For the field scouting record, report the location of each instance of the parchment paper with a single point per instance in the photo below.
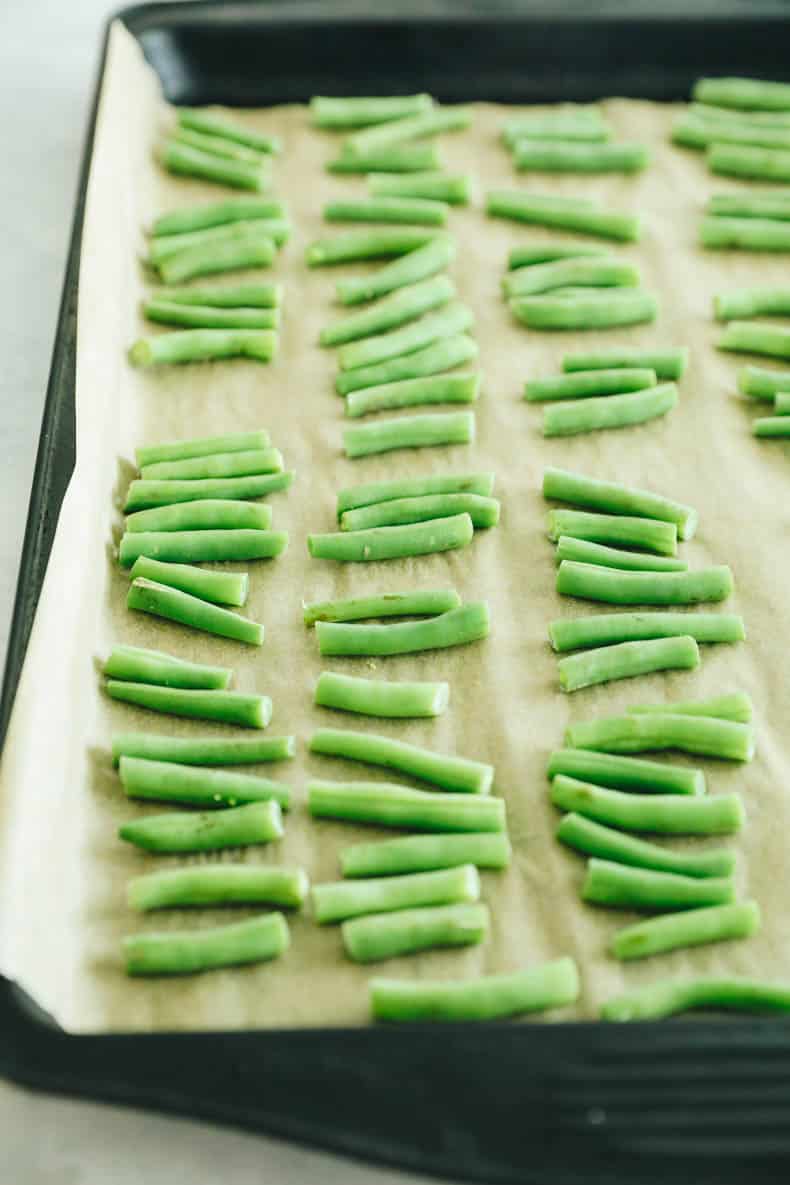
(63, 870)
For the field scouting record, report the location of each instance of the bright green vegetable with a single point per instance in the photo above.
(203, 317)
(414, 487)
(152, 666)
(167, 781)
(668, 814)
(171, 603)
(467, 623)
(581, 308)
(352, 898)
(394, 310)
(668, 363)
(766, 203)
(637, 733)
(418, 264)
(204, 446)
(736, 706)
(414, 127)
(646, 534)
(613, 498)
(699, 133)
(201, 546)
(588, 384)
(188, 161)
(751, 302)
(244, 463)
(399, 806)
(206, 831)
(423, 853)
(212, 125)
(582, 551)
(216, 146)
(357, 112)
(750, 234)
(776, 426)
(218, 884)
(231, 707)
(643, 588)
(254, 249)
(235, 296)
(438, 388)
(182, 952)
(597, 272)
(407, 931)
(186, 219)
(570, 156)
(377, 697)
(739, 160)
(356, 245)
(450, 772)
(562, 215)
(771, 340)
(390, 543)
(624, 661)
(595, 839)
(221, 588)
(166, 246)
(417, 211)
(756, 118)
(612, 411)
(211, 514)
(746, 94)
(418, 431)
(626, 773)
(693, 927)
(439, 356)
(144, 494)
(453, 319)
(759, 383)
(201, 750)
(484, 512)
(529, 254)
(571, 122)
(608, 883)
(455, 189)
(399, 158)
(604, 628)
(204, 345)
(423, 602)
(668, 997)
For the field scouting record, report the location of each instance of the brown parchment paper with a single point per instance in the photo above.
(63, 872)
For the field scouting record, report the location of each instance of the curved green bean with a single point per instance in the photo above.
(187, 161)
(613, 498)
(484, 512)
(740, 160)
(561, 215)
(341, 900)
(212, 125)
(204, 345)
(378, 697)
(206, 831)
(398, 158)
(571, 122)
(595, 839)
(643, 588)
(231, 707)
(202, 750)
(185, 219)
(608, 883)
(221, 588)
(528, 254)
(417, 211)
(203, 317)
(394, 310)
(454, 189)
(776, 426)
(167, 781)
(624, 661)
(736, 706)
(597, 272)
(205, 546)
(244, 463)
(390, 543)
(144, 494)
(255, 249)
(418, 264)
(588, 384)
(422, 602)
(749, 234)
(710, 111)
(746, 94)
(453, 319)
(646, 534)
(759, 383)
(166, 246)
(570, 156)
(751, 302)
(467, 623)
(585, 309)
(407, 931)
(611, 411)
(390, 805)
(419, 431)
(450, 772)
(414, 127)
(218, 884)
(625, 773)
(668, 364)
(666, 814)
(437, 388)
(744, 336)
(171, 603)
(766, 203)
(424, 853)
(668, 997)
(204, 446)
(210, 514)
(692, 927)
(137, 665)
(357, 112)
(414, 487)
(602, 629)
(182, 952)
(236, 296)
(440, 355)
(638, 733)
(355, 245)
(700, 133)
(217, 146)
(583, 551)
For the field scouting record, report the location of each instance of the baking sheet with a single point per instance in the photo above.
(63, 870)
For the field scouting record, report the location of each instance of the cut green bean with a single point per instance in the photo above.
(746, 94)
(441, 388)
(236, 296)
(484, 512)
(407, 931)
(217, 884)
(585, 309)
(166, 246)
(764, 204)
(759, 383)
(417, 211)
(231, 707)
(221, 588)
(390, 543)
(171, 603)
(602, 272)
(569, 123)
(613, 498)
(533, 253)
(693, 927)
(700, 133)
(451, 773)
(400, 307)
(468, 623)
(668, 364)
(217, 146)
(355, 245)
(400, 158)
(418, 264)
(454, 189)
(490, 997)
(595, 839)
(241, 463)
(605, 628)
(646, 534)
(353, 898)
(582, 551)
(202, 750)
(643, 588)
(143, 495)
(424, 602)
(204, 345)
(424, 853)
(454, 318)
(620, 885)
(666, 814)
(522, 206)
(637, 733)
(183, 952)
(740, 160)
(201, 546)
(206, 831)
(776, 426)
(377, 697)
(391, 805)
(228, 255)
(570, 156)
(435, 358)
(668, 997)
(624, 661)
(414, 487)
(205, 446)
(625, 773)
(167, 781)
(587, 384)
(187, 161)
(210, 514)
(749, 234)
(358, 112)
(427, 430)
(414, 127)
(202, 317)
(744, 336)
(185, 219)
(213, 125)
(137, 665)
(710, 111)
(736, 706)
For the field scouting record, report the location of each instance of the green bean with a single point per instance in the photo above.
(587, 384)
(205, 446)
(221, 588)
(417, 211)
(171, 603)
(614, 498)
(211, 514)
(667, 814)
(777, 119)
(197, 546)
(187, 161)
(217, 884)
(604, 628)
(467, 623)
(595, 839)
(401, 306)
(232, 707)
(625, 773)
(414, 127)
(167, 781)
(206, 831)
(455, 318)
(419, 431)
(243, 463)
(383, 936)
(214, 125)
(739, 160)
(545, 211)
(352, 898)
(601, 272)
(451, 773)
(585, 552)
(743, 336)
(709, 736)
(203, 317)
(646, 534)
(391, 543)
(693, 927)
(203, 345)
(586, 309)
(571, 122)
(747, 94)
(399, 158)
(182, 952)
(423, 853)
(569, 156)
(414, 487)
(422, 602)
(152, 666)
(144, 494)
(399, 806)
(764, 204)
(668, 997)
(166, 246)
(355, 245)
(208, 259)
(217, 146)
(490, 997)
(201, 750)
(775, 426)
(750, 234)
(759, 383)
(454, 189)
(356, 112)
(529, 254)
(623, 661)
(185, 219)
(418, 264)
(668, 364)
(378, 697)
(643, 588)
(441, 388)
(236, 296)
(435, 358)
(609, 883)
(699, 133)
(736, 706)
(484, 512)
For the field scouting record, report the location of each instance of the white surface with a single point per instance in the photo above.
(48, 55)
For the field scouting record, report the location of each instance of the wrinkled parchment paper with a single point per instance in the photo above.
(63, 871)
